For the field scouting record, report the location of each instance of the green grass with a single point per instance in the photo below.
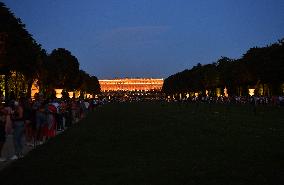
(151, 143)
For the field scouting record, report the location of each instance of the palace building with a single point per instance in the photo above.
(131, 84)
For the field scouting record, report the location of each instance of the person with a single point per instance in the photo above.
(28, 121)
(8, 110)
(74, 110)
(2, 130)
(57, 115)
(63, 112)
(18, 125)
(68, 114)
(50, 127)
(38, 108)
(83, 109)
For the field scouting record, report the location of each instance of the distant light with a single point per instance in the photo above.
(218, 92)
(70, 94)
(132, 84)
(187, 95)
(77, 94)
(58, 93)
(226, 92)
(251, 92)
(34, 89)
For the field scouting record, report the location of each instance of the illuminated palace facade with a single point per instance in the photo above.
(131, 84)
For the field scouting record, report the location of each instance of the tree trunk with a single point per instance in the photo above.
(263, 90)
(6, 86)
(16, 85)
(29, 90)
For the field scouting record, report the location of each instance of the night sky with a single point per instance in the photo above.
(150, 38)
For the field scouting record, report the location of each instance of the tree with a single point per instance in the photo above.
(88, 84)
(60, 69)
(21, 50)
(257, 66)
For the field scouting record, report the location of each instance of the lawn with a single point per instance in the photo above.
(154, 143)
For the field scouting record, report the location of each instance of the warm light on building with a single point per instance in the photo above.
(226, 92)
(251, 92)
(89, 96)
(77, 94)
(70, 94)
(58, 93)
(218, 92)
(34, 89)
(187, 95)
(131, 84)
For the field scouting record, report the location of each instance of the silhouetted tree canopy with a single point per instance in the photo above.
(21, 53)
(263, 65)
(60, 69)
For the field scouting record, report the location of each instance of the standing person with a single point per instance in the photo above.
(2, 130)
(83, 109)
(74, 110)
(9, 126)
(50, 128)
(63, 112)
(68, 114)
(39, 118)
(58, 116)
(28, 121)
(18, 125)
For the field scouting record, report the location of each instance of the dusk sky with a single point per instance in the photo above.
(150, 38)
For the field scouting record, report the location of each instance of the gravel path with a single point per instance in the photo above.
(8, 151)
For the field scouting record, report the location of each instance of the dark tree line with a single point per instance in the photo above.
(60, 69)
(261, 68)
(23, 59)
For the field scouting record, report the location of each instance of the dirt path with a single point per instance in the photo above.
(8, 151)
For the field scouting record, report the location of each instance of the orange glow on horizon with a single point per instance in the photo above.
(131, 84)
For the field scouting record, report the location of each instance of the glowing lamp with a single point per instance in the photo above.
(218, 92)
(70, 94)
(251, 92)
(77, 94)
(34, 89)
(58, 93)
(187, 95)
(226, 92)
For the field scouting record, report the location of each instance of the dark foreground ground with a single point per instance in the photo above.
(150, 143)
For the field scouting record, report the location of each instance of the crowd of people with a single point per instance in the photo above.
(33, 122)
(257, 100)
